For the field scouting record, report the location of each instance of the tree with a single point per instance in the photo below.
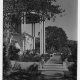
(55, 37)
(12, 10)
(45, 7)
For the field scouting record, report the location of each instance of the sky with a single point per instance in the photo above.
(68, 22)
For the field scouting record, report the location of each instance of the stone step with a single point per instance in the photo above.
(63, 69)
(53, 73)
(53, 64)
(51, 67)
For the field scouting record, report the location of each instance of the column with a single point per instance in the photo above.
(24, 41)
(43, 37)
(40, 37)
(23, 45)
(22, 25)
(23, 22)
(33, 35)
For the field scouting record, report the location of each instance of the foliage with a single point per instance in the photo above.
(65, 53)
(73, 46)
(70, 52)
(55, 37)
(73, 58)
(6, 62)
(30, 74)
(45, 7)
(29, 56)
(46, 56)
(52, 50)
(16, 66)
(73, 71)
(13, 53)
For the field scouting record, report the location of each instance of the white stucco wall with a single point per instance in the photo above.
(28, 43)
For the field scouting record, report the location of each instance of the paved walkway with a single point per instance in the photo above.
(54, 59)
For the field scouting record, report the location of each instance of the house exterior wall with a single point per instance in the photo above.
(22, 42)
(28, 43)
(16, 40)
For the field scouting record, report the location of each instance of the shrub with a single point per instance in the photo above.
(73, 68)
(29, 56)
(6, 63)
(17, 66)
(46, 56)
(30, 74)
(66, 51)
(13, 53)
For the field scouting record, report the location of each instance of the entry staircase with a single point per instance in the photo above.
(54, 64)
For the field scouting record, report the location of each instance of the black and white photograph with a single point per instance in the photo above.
(40, 39)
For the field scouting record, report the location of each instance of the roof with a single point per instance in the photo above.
(32, 17)
(27, 34)
(17, 34)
